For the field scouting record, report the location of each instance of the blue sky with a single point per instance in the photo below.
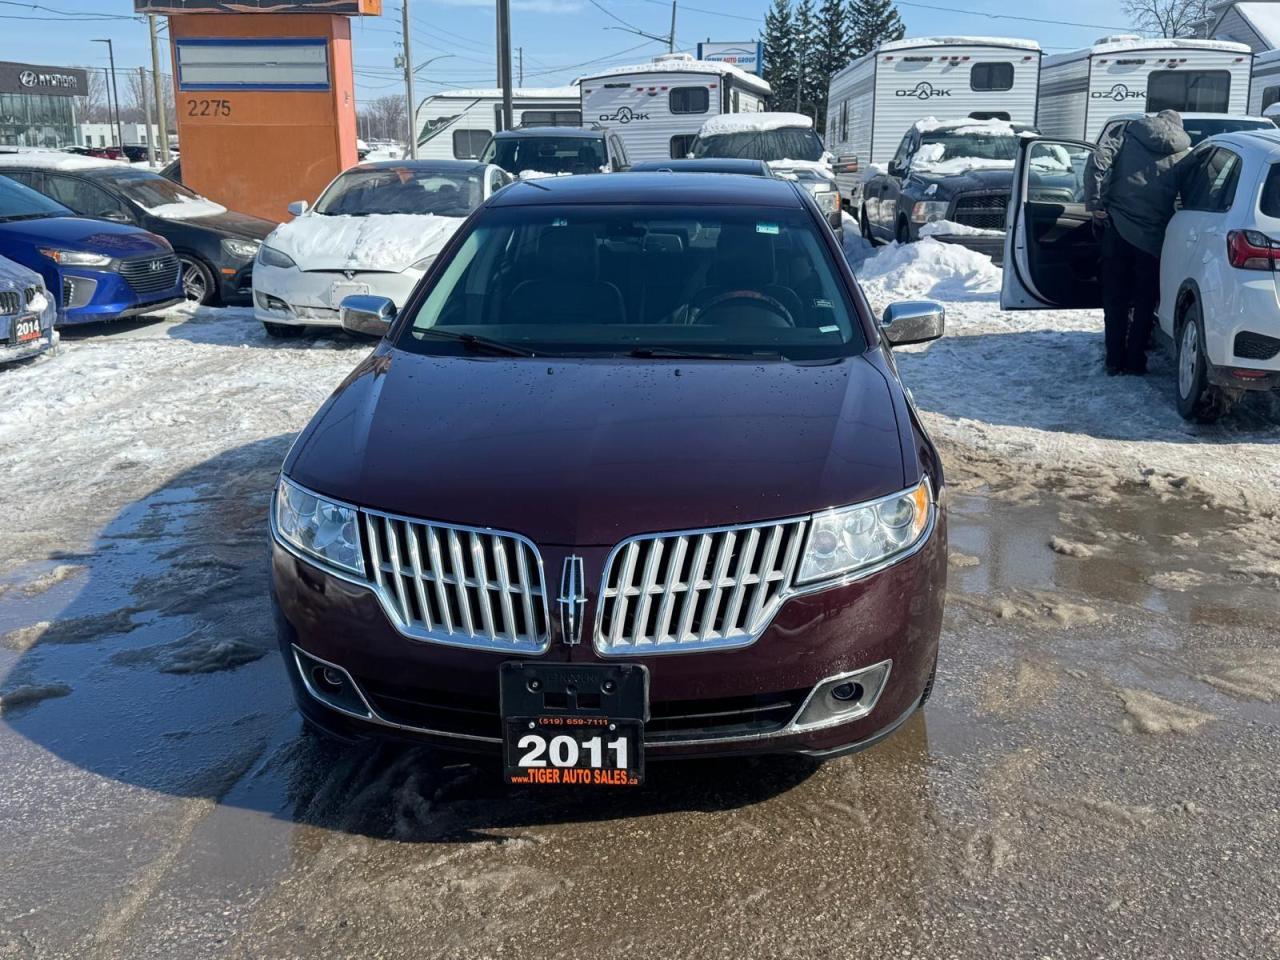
(558, 36)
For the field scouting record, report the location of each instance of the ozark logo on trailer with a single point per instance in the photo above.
(924, 90)
(1119, 93)
(623, 115)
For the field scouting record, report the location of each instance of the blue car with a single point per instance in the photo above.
(27, 313)
(95, 269)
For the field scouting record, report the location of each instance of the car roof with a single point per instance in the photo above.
(424, 166)
(676, 189)
(751, 168)
(1192, 116)
(1266, 141)
(580, 132)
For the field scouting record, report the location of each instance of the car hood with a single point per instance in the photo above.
(589, 452)
(966, 181)
(232, 224)
(75, 233)
(390, 242)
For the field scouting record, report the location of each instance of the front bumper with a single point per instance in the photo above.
(13, 352)
(992, 247)
(731, 702)
(310, 298)
(113, 299)
(235, 283)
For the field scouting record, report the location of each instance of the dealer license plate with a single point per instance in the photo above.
(574, 725)
(340, 291)
(26, 329)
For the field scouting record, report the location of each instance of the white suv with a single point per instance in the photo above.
(1219, 286)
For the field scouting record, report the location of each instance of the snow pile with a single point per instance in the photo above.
(187, 208)
(679, 65)
(956, 165)
(753, 123)
(392, 242)
(912, 42)
(949, 228)
(793, 169)
(541, 174)
(1131, 44)
(928, 269)
(52, 160)
(966, 126)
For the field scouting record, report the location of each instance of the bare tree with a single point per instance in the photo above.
(383, 119)
(1167, 18)
(94, 108)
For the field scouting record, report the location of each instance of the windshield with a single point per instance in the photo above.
(149, 190)
(22, 203)
(547, 154)
(612, 280)
(784, 143)
(1201, 129)
(940, 147)
(359, 193)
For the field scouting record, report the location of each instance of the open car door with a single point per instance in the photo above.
(1052, 258)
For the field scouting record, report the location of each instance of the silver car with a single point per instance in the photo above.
(27, 313)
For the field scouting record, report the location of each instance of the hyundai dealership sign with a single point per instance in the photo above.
(747, 55)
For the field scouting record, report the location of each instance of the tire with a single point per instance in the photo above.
(864, 224)
(928, 686)
(197, 281)
(283, 331)
(903, 233)
(1198, 400)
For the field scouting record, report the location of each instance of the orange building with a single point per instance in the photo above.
(265, 96)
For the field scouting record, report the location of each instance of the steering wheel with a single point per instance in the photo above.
(755, 297)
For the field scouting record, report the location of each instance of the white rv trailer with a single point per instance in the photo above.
(873, 102)
(456, 124)
(1264, 91)
(1082, 90)
(658, 108)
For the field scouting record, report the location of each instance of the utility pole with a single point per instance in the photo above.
(146, 109)
(671, 43)
(115, 91)
(520, 61)
(408, 83)
(800, 74)
(162, 113)
(504, 61)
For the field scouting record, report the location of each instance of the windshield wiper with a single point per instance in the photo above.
(667, 353)
(478, 344)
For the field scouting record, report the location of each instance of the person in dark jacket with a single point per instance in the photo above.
(1132, 185)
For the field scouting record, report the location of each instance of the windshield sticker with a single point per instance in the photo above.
(769, 228)
(559, 222)
(830, 329)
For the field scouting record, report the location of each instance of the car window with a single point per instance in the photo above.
(1200, 129)
(24, 177)
(609, 279)
(681, 144)
(549, 154)
(783, 143)
(22, 203)
(407, 189)
(1270, 97)
(85, 198)
(148, 190)
(1212, 185)
(1055, 172)
(1270, 203)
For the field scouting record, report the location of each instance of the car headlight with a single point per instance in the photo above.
(842, 542)
(425, 263)
(828, 200)
(76, 258)
(926, 211)
(271, 257)
(241, 249)
(328, 531)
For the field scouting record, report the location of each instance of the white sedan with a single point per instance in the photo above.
(374, 231)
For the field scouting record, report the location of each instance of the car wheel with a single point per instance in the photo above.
(197, 281)
(864, 223)
(283, 331)
(903, 234)
(1198, 400)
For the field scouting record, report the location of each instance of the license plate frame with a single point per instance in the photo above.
(26, 329)
(567, 706)
(339, 291)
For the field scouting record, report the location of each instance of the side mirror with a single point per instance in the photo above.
(117, 216)
(298, 208)
(913, 321)
(895, 169)
(371, 316)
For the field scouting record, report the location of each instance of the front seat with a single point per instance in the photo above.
(568, 289)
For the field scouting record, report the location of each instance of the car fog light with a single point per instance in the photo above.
(841, 699)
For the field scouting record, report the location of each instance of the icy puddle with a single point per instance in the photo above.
(1096, 773)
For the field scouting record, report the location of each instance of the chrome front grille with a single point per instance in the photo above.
(712, 589)
(10, 302)
(458, 585)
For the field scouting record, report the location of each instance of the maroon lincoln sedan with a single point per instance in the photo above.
(631, 476)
